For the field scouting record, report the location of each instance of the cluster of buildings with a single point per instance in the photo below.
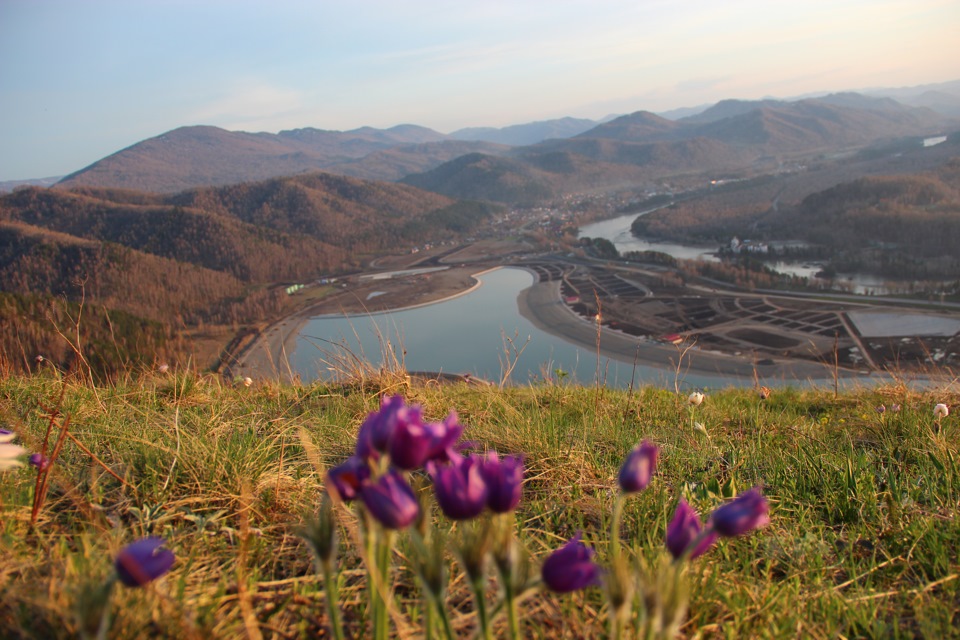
(738, 246)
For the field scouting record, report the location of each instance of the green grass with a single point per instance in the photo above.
(863, 540)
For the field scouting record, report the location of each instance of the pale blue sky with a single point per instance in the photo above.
(81, 79)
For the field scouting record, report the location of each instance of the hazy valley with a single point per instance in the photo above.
(180, 242)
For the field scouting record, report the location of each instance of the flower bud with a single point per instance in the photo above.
(460, 488)
(390, 500)
(320, 531)
(743, 514)
(684, 529)
(639, 467)
(143, 561)
(571, 567)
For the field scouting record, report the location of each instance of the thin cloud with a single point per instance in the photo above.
(248, 104)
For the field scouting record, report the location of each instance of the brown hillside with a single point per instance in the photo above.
(201, 155)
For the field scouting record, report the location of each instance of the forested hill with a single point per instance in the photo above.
(903, 225)
(207, 255)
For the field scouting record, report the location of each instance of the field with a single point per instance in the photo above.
(862, 539)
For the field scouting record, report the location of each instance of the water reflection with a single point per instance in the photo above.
(481, 333)
(617, 231)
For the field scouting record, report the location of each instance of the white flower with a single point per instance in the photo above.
(10, 456)
(695, 398)
(941, 411)
(698, 426)
(247, 381)
(163, 368)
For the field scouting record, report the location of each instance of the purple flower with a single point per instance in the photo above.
(746, 512)
(377, 430)
(347, 477)
(638, 468)
(684, 529)
(460, 488)
(414, 443)
(504, 480)
(571, 567)
(143, 561)
(40, 461)
(390, 500)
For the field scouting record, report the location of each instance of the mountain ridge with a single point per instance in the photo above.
(201, 155)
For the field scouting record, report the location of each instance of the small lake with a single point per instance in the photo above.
(467, 334)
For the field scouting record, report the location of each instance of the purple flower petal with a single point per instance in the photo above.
(504, 480)
(570, 568)
(684, 529)
(347, 477)
(142, 561)
(414, 443)
(378, 429)
(743, 514)
(639, 467)
(40, 461)
(390, 500)
(459, 487)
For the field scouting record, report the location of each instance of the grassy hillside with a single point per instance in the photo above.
(861, 540)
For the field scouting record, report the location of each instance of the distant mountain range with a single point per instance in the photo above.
(534, 161)
(192, 227)
(10, 185)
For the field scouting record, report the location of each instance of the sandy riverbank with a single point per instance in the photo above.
(543, 306)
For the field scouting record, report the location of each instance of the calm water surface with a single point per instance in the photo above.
(467, 335)
(617, 231)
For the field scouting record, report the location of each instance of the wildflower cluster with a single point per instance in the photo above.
(395, 442)
(395, 446)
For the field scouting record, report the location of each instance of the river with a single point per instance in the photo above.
(617, 231)
(481, 333)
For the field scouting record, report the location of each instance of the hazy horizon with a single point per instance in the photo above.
(79, 81)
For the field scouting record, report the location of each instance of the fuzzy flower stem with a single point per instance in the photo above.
(428, 620)
(618, 593)
(479, 597)
(374, 603)
(333, 598)
(615, 617)
(444, 619)
(510, 601)
(381, 618)
(615, 526)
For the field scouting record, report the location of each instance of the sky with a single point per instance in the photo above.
(81, 79)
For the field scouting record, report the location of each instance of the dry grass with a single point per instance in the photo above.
(863, 539)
